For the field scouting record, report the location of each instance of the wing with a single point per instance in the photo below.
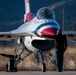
(70, 34)
(5, 36)
(14, 35)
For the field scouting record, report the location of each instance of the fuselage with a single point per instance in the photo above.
(44, 27)
(39, 27)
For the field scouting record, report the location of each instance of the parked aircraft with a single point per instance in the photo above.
(29, 36)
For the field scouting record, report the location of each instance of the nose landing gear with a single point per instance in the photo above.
(40, 59)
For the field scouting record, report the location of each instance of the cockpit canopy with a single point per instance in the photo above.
(45, 13)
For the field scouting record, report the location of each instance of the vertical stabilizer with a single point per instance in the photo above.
(27, 6)
(28, 16)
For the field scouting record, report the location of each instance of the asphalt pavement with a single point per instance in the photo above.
(38, 73)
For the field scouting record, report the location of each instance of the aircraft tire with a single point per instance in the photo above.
(43, 67)
(10, 68)
(15, 69)
(7, 69)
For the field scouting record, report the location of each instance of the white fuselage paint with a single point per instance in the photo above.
(28, 42)
(31, 27)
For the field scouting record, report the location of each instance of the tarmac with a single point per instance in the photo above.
(38, 73)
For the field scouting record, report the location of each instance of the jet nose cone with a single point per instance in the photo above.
(49, 31)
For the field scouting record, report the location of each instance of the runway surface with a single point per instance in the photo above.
(39, 73)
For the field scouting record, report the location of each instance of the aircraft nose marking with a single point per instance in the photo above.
(49, 31)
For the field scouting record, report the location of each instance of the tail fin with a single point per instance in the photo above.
(27, 6)
(28, 16)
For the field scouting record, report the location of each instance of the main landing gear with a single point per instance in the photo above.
(10, 66)
(42, 56)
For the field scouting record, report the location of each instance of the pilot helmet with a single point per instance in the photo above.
(45, 13)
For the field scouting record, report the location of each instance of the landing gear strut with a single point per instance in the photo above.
(37, 56)
(43, 64)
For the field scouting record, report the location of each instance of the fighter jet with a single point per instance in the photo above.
(29, 36)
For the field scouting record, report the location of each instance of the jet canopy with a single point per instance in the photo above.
(45, 13)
